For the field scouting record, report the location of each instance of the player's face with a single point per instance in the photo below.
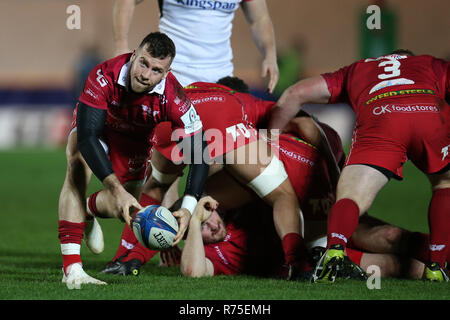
(213, 229)
(146, 71)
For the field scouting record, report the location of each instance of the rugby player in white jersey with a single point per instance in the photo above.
(201, 31)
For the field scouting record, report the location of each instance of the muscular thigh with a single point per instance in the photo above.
(248, 161)
(360, 183)
(227, 191)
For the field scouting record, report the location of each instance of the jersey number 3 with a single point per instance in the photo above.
(391, 69)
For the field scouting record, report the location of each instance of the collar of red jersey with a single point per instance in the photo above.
(122, 80)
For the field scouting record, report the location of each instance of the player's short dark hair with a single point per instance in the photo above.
(159, 45)
(234, 83)
(403, 51)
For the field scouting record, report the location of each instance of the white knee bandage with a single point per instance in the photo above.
(272, 176)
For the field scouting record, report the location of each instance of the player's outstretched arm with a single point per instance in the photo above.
(193, 260)
(310, 90)
(123, 11)
(261, 27)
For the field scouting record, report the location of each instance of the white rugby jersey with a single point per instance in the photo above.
(201, 31)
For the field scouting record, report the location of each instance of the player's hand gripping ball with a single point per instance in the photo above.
(155, 227)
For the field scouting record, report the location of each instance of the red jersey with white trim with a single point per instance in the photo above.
(134, 114)
(401, 111)
(229, 118)
(390, 79)
(225, 114)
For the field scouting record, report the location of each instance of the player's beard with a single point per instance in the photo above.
(221, 234)
(128, 82)
(129, 85)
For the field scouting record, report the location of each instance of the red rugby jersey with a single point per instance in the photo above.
(137, 114)
(390, 79)
(228, 256)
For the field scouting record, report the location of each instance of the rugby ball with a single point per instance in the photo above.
(155, 227)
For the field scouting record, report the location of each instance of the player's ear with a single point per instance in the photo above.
(166, 73)
(133, 55)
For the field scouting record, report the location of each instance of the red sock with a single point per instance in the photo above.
(342, 221)
(146, 200)
(92, 206)
(70, 235)
(439, 222)
(141, 253)
(294, 248)
(128, 240)
(419, 247)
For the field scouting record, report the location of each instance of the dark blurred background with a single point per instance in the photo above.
(43, 63)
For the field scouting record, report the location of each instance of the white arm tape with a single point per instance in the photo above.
(272, 176)
(189, 203)
(163, 178)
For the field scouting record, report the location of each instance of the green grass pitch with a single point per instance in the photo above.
(30, 260)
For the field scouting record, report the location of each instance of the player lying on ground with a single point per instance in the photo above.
(312, 184)
(245, 241)
(232, 118)
(122, 101)
(215, 247)
(321, 196)
(300, 168)
(371, 234)
(399, 101)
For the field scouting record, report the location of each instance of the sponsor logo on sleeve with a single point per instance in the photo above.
(191, 121)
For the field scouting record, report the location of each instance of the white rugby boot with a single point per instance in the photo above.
(93, 236)
(76, 276)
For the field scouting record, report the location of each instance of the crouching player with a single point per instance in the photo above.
(122, 101)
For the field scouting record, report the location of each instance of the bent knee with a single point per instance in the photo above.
(393, 234)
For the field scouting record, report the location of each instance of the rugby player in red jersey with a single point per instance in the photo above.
(122, 101)
(230, 120)
(401, 114)
(230, 246)
(231, 256)
(244, 239)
